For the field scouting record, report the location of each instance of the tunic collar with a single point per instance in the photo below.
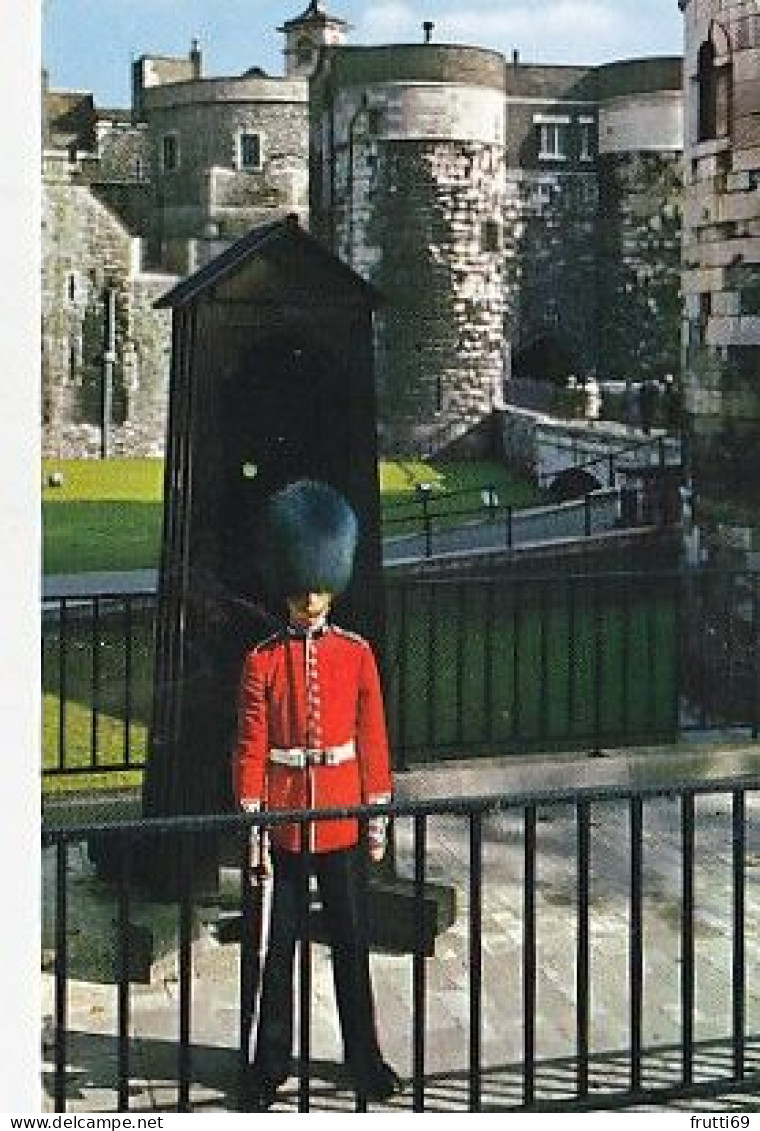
(298, 633)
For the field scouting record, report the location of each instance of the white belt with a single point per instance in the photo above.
(299, 757)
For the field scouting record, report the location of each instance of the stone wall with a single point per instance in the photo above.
(87, 252)
(554, 275)
(439, 335)
(208, 194)
(543, 447)
(433, 176)
(639, 255)
(721, 248)
(408, 187)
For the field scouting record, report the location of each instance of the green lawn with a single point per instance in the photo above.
(107, 514)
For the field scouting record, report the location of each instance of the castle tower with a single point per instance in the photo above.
(305, 35)
(721, 256)
(407, 186)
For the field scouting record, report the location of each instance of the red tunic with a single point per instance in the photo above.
(312, 692)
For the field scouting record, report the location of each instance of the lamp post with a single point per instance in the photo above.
(109, 360)
(423, 492)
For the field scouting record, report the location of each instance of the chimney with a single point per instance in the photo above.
(196, 59)
(427, 28)
(515, 56)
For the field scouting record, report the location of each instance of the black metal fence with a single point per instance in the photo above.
(473, 666)
(431, 522)
(476, 521)
(520, 663)
(585, 975)
(97, 670)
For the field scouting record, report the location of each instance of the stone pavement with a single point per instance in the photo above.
(154, 1013)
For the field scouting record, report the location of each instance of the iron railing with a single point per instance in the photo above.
(429, 526)
(474, 665)
(587, 967)
(653, 452)
(97, 670)
(426, 520)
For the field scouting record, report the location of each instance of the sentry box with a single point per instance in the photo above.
(271, 380)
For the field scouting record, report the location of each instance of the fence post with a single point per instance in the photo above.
(509, 526)
(423, 489)
(587, 515)
(493, 502)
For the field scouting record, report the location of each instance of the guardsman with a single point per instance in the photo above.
(312, 735)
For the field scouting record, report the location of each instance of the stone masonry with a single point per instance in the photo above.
(721, 248)
(87, 252)
(515, 218)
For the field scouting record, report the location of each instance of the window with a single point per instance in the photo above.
(304, 51)
(714, 85)
(490, 236)
(586, 151)
(170, 152)
(552, 138)
(249, 151)
(707, 92)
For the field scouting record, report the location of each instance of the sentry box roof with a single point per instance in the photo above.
(269, 261)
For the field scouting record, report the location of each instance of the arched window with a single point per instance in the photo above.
(707, 91)
(714, 82)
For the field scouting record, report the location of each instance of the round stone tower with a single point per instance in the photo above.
(639, 219)
(223, 154)
(407, 186)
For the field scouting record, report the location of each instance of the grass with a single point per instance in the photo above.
(107, 513)
(105, 516)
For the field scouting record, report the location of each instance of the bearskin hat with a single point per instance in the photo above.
(309, 536)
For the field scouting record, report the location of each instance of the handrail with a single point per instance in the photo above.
(436, 806)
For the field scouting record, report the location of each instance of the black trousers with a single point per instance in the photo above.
(341, 881)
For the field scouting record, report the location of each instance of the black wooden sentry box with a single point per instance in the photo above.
(271, 380)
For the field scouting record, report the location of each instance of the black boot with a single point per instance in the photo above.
(260, 1091)
(377, 1082)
